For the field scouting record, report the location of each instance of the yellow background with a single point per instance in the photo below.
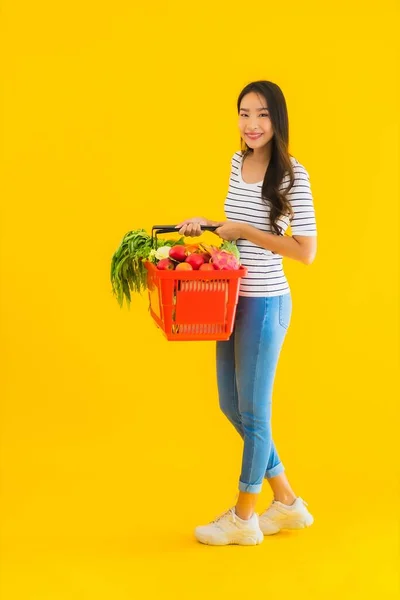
(122, 115)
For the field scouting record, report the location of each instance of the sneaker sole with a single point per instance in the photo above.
(250, 540)
(301, 524)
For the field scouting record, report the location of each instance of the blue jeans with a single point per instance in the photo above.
(246, 366)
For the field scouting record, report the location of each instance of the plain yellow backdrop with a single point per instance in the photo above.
(122, 115)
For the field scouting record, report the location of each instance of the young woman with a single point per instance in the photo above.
(268, 190)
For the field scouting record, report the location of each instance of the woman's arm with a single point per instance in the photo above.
(298, 247)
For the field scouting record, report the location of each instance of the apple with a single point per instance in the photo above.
(165, 264)
(178, 253)
(196, 260)
(206, 256)
(184, 266)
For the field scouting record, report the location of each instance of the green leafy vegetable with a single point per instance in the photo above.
(128, 273)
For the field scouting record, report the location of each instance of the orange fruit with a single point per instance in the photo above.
(191, 248)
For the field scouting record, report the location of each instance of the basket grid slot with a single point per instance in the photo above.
(197, 329)
(200, 285)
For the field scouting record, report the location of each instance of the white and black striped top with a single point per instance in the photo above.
(243, 203)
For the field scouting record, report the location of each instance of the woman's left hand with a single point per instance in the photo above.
(230, 230)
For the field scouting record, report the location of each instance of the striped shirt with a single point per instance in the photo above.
(265, 276)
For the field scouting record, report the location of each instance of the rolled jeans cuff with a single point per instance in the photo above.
(254, 488)
(277, 470)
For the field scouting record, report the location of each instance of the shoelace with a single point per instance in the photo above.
(231, 509)
(221, 515)
(272, 505)
(303, 501)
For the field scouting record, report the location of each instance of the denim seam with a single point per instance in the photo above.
(258, 363)
(282, 321)
(235, 396)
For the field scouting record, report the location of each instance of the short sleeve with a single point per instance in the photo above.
(301, 200)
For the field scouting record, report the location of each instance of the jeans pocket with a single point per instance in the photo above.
(285, 310)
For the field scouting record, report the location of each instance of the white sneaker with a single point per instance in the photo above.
(228, 528)
(281, 516)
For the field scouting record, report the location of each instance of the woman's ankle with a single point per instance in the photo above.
(287, 499)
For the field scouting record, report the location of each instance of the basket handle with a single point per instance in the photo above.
(172, 228)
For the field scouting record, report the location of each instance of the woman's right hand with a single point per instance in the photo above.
(192, 227)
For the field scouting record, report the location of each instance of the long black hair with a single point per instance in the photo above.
(280, 163)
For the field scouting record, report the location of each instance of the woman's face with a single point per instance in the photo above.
(255, 120)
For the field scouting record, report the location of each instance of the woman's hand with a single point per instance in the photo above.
(192, 227)
(230, 230)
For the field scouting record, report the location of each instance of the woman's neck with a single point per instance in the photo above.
(261, 156)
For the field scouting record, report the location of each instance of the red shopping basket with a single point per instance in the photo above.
(193, 305)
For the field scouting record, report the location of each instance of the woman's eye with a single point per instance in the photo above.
(262, 114)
